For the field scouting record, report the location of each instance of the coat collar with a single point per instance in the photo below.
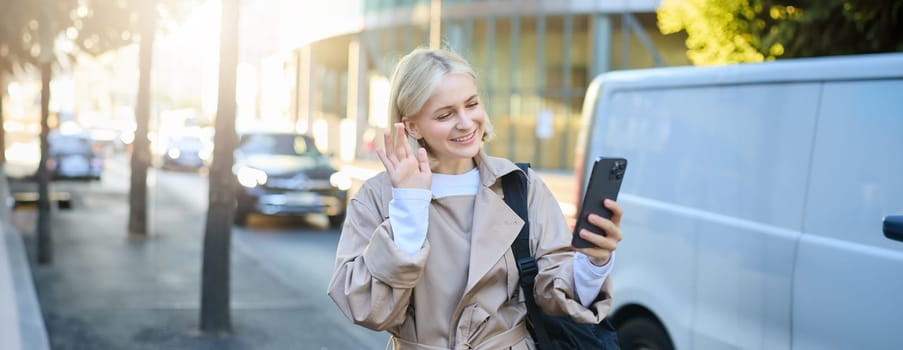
(495, 224)
(493, 168)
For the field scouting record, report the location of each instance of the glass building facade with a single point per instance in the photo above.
(534, 61)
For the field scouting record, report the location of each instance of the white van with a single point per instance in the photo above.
(760, 202)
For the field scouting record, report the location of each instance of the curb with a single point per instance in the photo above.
(21, 321)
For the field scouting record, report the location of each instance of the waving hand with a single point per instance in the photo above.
(405, 169)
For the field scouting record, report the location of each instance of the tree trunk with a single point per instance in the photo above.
(2, 120)
(141, 146)
(215, 292)
(4, 187)
(45, 251)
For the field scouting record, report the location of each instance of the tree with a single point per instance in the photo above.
(28, 33)
(137, 225)
(215, 288)
(27, 37)
(95, 26)
(13, 55)
(111, 25)
(19, 35)
(730, 31)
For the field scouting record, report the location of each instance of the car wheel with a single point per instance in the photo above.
(336, 221)
(643, 334)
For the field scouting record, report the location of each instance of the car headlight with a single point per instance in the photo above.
(250, 177)
(340, 180)
(174, 153)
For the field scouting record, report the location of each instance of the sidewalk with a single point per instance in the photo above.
(106, 291)
(21, 324)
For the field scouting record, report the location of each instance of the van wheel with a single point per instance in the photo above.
(643, 334)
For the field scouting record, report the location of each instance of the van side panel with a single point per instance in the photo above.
(714, 192)
(848, 291)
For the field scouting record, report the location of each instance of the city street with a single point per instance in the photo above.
(759, 138)
(106, 291)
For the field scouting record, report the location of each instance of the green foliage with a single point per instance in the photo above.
(730, 31)
(94, 26)
(111, 24)
(26, 25)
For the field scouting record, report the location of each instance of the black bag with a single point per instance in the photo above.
(549, 332)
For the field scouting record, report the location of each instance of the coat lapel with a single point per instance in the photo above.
(495, 226)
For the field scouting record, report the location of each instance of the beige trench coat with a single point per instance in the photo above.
(375, 284)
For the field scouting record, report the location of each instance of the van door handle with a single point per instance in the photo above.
(893, 227)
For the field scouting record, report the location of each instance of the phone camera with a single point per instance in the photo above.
(617, 170)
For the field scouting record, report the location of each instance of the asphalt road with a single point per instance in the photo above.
(105, 291)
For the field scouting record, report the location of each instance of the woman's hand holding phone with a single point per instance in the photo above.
(597, 232)
(406, 168)
(603, 245)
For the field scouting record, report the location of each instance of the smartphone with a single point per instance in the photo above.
(604, 182)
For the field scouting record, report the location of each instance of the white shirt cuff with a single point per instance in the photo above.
(409, 217)
(588, 278)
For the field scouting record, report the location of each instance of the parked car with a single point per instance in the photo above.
(74, 156)
(190, 152)
(763, 202)
(285, 174)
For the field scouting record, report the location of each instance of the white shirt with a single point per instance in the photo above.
(409, 217)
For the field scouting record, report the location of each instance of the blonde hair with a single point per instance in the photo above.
(416, 77)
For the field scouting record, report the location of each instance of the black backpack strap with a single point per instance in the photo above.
(514, 186)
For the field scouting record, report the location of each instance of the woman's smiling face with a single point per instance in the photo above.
(451, 123)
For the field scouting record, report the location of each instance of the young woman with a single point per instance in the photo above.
(425, 252)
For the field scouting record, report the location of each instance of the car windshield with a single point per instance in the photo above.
(286, 144)
(188, 143)
(66, 144)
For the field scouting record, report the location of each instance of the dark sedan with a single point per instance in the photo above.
(74, 156)
(285, 174)
(189, 152)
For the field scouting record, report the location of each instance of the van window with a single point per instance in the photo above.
(857, 169)
(847, 280)
(740, 151)
(716, 183)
